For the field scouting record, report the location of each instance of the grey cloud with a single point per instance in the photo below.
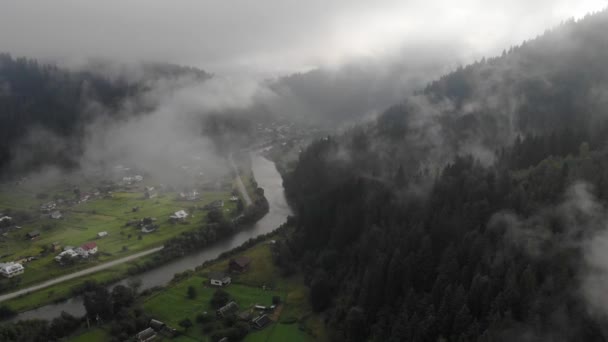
(271, 35)
(583, 227)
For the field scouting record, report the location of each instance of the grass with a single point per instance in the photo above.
(247, 291)
(279, 332)
(93, 335)
(83, 221)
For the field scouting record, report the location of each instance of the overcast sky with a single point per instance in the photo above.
(273, 36)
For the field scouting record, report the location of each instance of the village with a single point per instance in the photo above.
(55, 229)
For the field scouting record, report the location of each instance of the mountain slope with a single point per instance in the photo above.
(473, 211)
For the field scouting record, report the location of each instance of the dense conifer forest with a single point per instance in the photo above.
(470, 211)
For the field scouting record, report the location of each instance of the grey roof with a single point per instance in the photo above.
(229, 308)
(262, 321)
(145, 334)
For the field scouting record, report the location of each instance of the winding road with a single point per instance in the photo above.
(78, 274)
(239, 182)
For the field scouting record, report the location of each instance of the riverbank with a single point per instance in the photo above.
(292, 320)
(267, 178)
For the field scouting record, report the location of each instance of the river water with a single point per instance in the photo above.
(267, 178)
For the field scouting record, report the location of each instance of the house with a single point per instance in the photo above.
(219, 279)
(33, 235)
(70, 252)
(11, 269)
(227, 310)
(240, 264)
(261, 322)
(102, 234)
(90, 247)
(179, 216)
(157, 325)
(146, 335)
(56, 215)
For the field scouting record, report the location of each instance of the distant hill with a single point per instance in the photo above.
(45, 108)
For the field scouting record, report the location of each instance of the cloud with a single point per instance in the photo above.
(579, 223)
(272, 35)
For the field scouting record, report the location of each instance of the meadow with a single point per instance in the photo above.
(294, 321)
(81, 223)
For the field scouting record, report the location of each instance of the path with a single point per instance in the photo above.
(239, 182)
(78, 274)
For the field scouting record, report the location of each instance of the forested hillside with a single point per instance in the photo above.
(473, 211)
(44, 109)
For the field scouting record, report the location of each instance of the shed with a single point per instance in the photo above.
(33, 235)
(146, 335)
(261, 322)
(240, 264)
(228, 309)
(157, 325)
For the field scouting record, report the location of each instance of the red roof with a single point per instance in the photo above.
(88, 245)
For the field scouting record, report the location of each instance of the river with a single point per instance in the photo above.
(268, 178)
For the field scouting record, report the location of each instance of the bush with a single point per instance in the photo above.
(191, 292)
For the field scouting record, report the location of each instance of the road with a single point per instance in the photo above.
(78, 274)
(239, 182)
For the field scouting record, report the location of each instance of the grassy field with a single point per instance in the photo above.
(247, 291)
(93, 335)
(81, 223)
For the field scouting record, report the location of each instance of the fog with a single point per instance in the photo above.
(272, 36)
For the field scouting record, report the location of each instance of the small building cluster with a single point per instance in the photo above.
(188, 196)
(11, 269)
(84, 251)
(48, 207)
(155, 327)
(128, 180)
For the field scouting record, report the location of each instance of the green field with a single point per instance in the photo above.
(81, 223)
(247, 291)
(93, 335)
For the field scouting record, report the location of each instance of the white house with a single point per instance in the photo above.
(219, 279)
(102, 234)
(179, 215)
(11, 269)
